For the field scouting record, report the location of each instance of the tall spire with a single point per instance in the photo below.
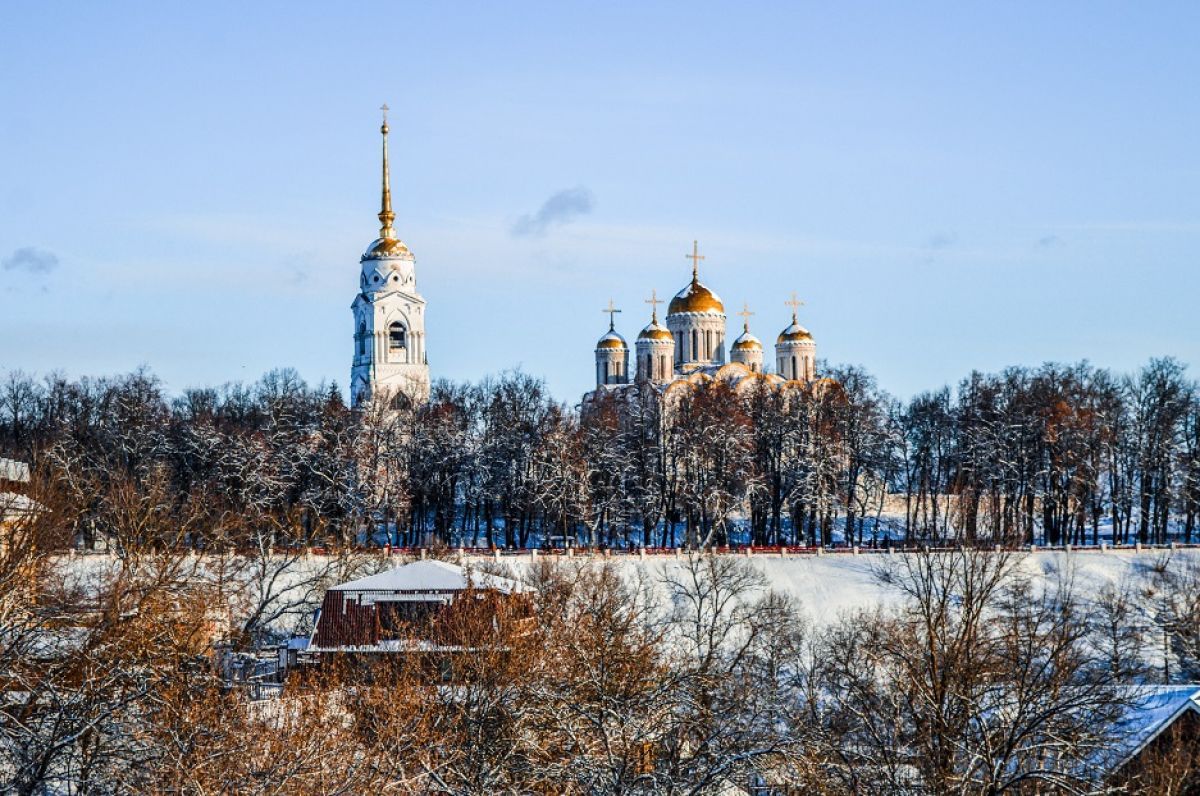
(386, 216)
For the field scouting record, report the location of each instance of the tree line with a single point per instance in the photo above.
(1050, 455)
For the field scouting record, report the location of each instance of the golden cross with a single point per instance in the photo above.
(795, 304)
(654, 301)
(745, 313)
(612, 312)
(695, 257)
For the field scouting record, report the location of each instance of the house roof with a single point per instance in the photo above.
(431, 576)
(1152, 709)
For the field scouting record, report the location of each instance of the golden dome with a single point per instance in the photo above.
(655, 332)
(387, 247)
(794, 334)
(696, 298)
(747, 342)
(612, 340)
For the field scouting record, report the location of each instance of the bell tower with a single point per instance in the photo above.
(389, 360)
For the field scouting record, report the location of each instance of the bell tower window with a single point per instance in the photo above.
(397, 337)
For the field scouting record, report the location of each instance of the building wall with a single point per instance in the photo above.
(389, 296)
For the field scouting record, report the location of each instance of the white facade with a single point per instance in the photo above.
(748, 350)
(796, 353)
(655, 353)
(389, 361)
(612, 359)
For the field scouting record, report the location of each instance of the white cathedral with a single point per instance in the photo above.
(389, 315)
(692, 346)
(390, 363)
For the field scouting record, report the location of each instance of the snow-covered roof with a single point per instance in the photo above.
(431, 576)
(1152, 709)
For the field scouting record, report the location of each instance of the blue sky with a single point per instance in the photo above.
(948, 186)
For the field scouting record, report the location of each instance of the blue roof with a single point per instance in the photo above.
(1152, 709)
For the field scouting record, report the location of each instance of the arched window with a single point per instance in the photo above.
(793, 367)
(362, 338)
(397, 336)
(695, 346)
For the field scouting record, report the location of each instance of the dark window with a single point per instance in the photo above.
(405, 618)
(397, 336)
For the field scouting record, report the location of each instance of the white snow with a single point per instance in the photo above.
(430, 576)
(827, 587)
(831, 586)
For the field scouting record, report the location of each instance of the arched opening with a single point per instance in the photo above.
(793, 367)
(397, 336)
(695, 346)
(362, 338)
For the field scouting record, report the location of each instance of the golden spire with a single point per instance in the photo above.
(386, 216)
(745, 313)
(695, 257)
(612, 314)
(654, 301)
(795, 304)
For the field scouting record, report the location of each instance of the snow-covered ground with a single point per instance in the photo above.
(827, 587)
(830, 586)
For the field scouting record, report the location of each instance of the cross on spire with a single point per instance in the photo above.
(795, 304)
(695, 257)
(654, 301)
(612, 313)
(745, 313)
